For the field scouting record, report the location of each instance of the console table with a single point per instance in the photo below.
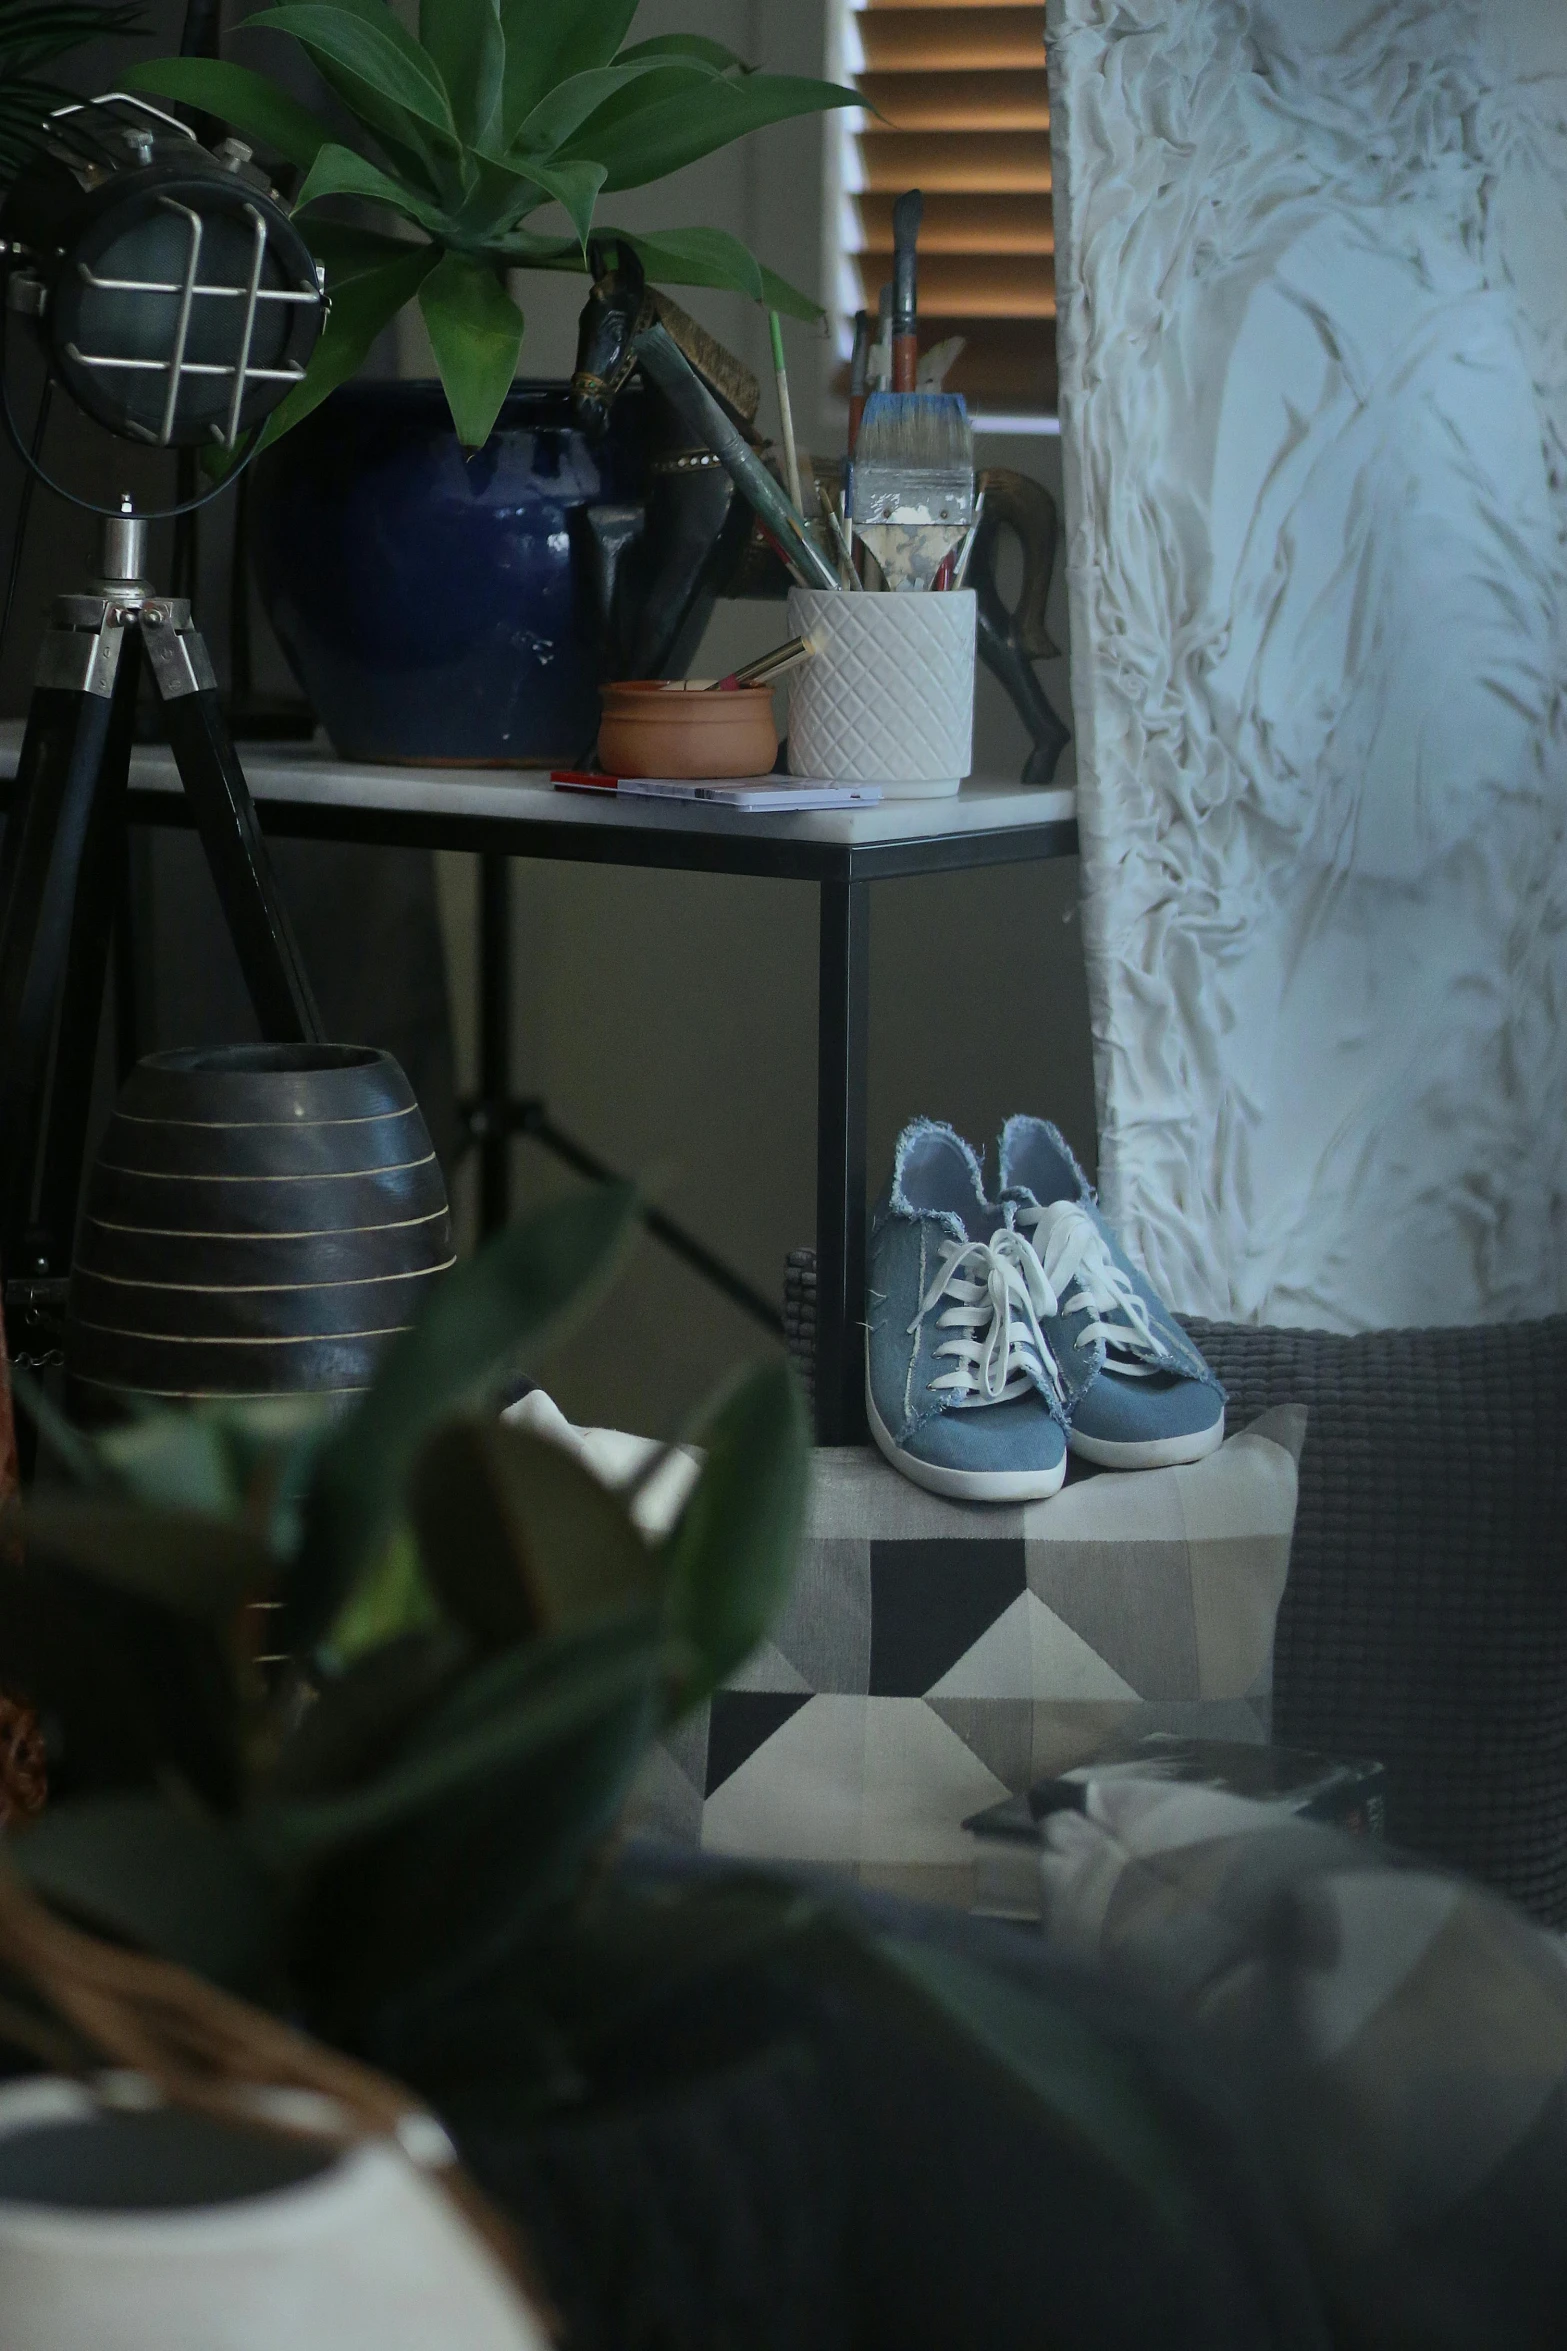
(497, 815)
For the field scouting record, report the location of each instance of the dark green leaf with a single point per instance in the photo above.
(464, 41)
(642, 138)
(33, 31)
(476, 334)
(362, 38)
(183, 1560)
(507, 1302)
(549, 40)
(518, 1538)
(339, 171)
(693, 45)
(732, 1558)
(569, 104)
(360, 310)
(168, 1881)
(521, 1706)
(503, 192)
(255, 107)
(359, 1718)
(449, 1896)
(696, 257)
(348, 252)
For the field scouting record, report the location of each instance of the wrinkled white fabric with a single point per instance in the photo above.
(1312, 270)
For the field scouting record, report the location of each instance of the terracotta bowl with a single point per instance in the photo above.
(654, 728)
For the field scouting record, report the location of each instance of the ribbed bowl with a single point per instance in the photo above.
(259, 1219)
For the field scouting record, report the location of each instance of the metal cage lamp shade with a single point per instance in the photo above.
(176, 301)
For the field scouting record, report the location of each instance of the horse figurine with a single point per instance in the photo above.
(659, 565)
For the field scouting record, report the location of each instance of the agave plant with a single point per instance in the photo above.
(33, 33)
(498, 111)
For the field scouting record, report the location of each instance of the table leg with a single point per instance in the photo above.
(495, 1078)
(843, 1026)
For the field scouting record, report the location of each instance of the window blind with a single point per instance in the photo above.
(963, 112)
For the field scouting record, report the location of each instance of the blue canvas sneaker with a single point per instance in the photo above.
(1138, 1394)
(961, 1387)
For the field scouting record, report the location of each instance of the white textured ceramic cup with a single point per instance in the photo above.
(888, 697)
(106, 2238)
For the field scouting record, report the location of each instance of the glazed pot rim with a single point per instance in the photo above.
(247, 1061)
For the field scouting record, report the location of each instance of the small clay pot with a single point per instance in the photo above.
(654, 728)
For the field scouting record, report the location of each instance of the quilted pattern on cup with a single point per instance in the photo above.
(889, 696)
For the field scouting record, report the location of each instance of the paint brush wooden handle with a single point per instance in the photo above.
(674, 375)
(906, 217)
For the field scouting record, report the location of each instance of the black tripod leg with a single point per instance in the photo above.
(98, 890)
(226, 820)
(62, 753)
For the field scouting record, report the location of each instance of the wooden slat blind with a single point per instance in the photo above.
(963, 112)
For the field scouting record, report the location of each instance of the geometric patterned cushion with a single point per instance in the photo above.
(935, 1657)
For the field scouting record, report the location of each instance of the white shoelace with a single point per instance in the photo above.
(995, 1292)
(1069, 1249)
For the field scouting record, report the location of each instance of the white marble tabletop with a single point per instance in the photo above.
(306, 775)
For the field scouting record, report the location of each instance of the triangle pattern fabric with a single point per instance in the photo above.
(1030, 1652)
(740, 1722)
(930, 1603)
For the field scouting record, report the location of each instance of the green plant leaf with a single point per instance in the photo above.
(643, 138)
(508, 1713)
(389, 1601)
(547, 41)
(252, 104)
(567, 107)
(363, 39)
(732, 1557)
(186, 1561)
(504, 191)
(518, 1538)
(692, 45)
(711, 257)
(501, 1305)
(360, 310)
(476, 334)
(465, 42)
(361, 1717)
(347, 251)
(341, 171)
(167, 1880)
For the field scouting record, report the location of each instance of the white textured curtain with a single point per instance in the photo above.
(1312, 274)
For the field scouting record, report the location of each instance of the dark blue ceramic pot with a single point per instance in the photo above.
(436, 606)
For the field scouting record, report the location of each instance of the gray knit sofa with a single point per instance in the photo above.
(1425, 1621)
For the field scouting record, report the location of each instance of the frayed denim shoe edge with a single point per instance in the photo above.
(1024, 1118)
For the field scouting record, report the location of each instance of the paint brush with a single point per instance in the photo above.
(859, 374)
(786, 414)
(674, 375)
(913, 494)
(907, 214)
(766, 667)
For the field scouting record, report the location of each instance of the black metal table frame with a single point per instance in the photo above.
(844, 873)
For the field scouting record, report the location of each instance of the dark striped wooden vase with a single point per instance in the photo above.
(259, 1219)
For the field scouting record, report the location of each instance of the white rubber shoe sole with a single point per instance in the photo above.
(964, 1485)
(1149, 1452)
